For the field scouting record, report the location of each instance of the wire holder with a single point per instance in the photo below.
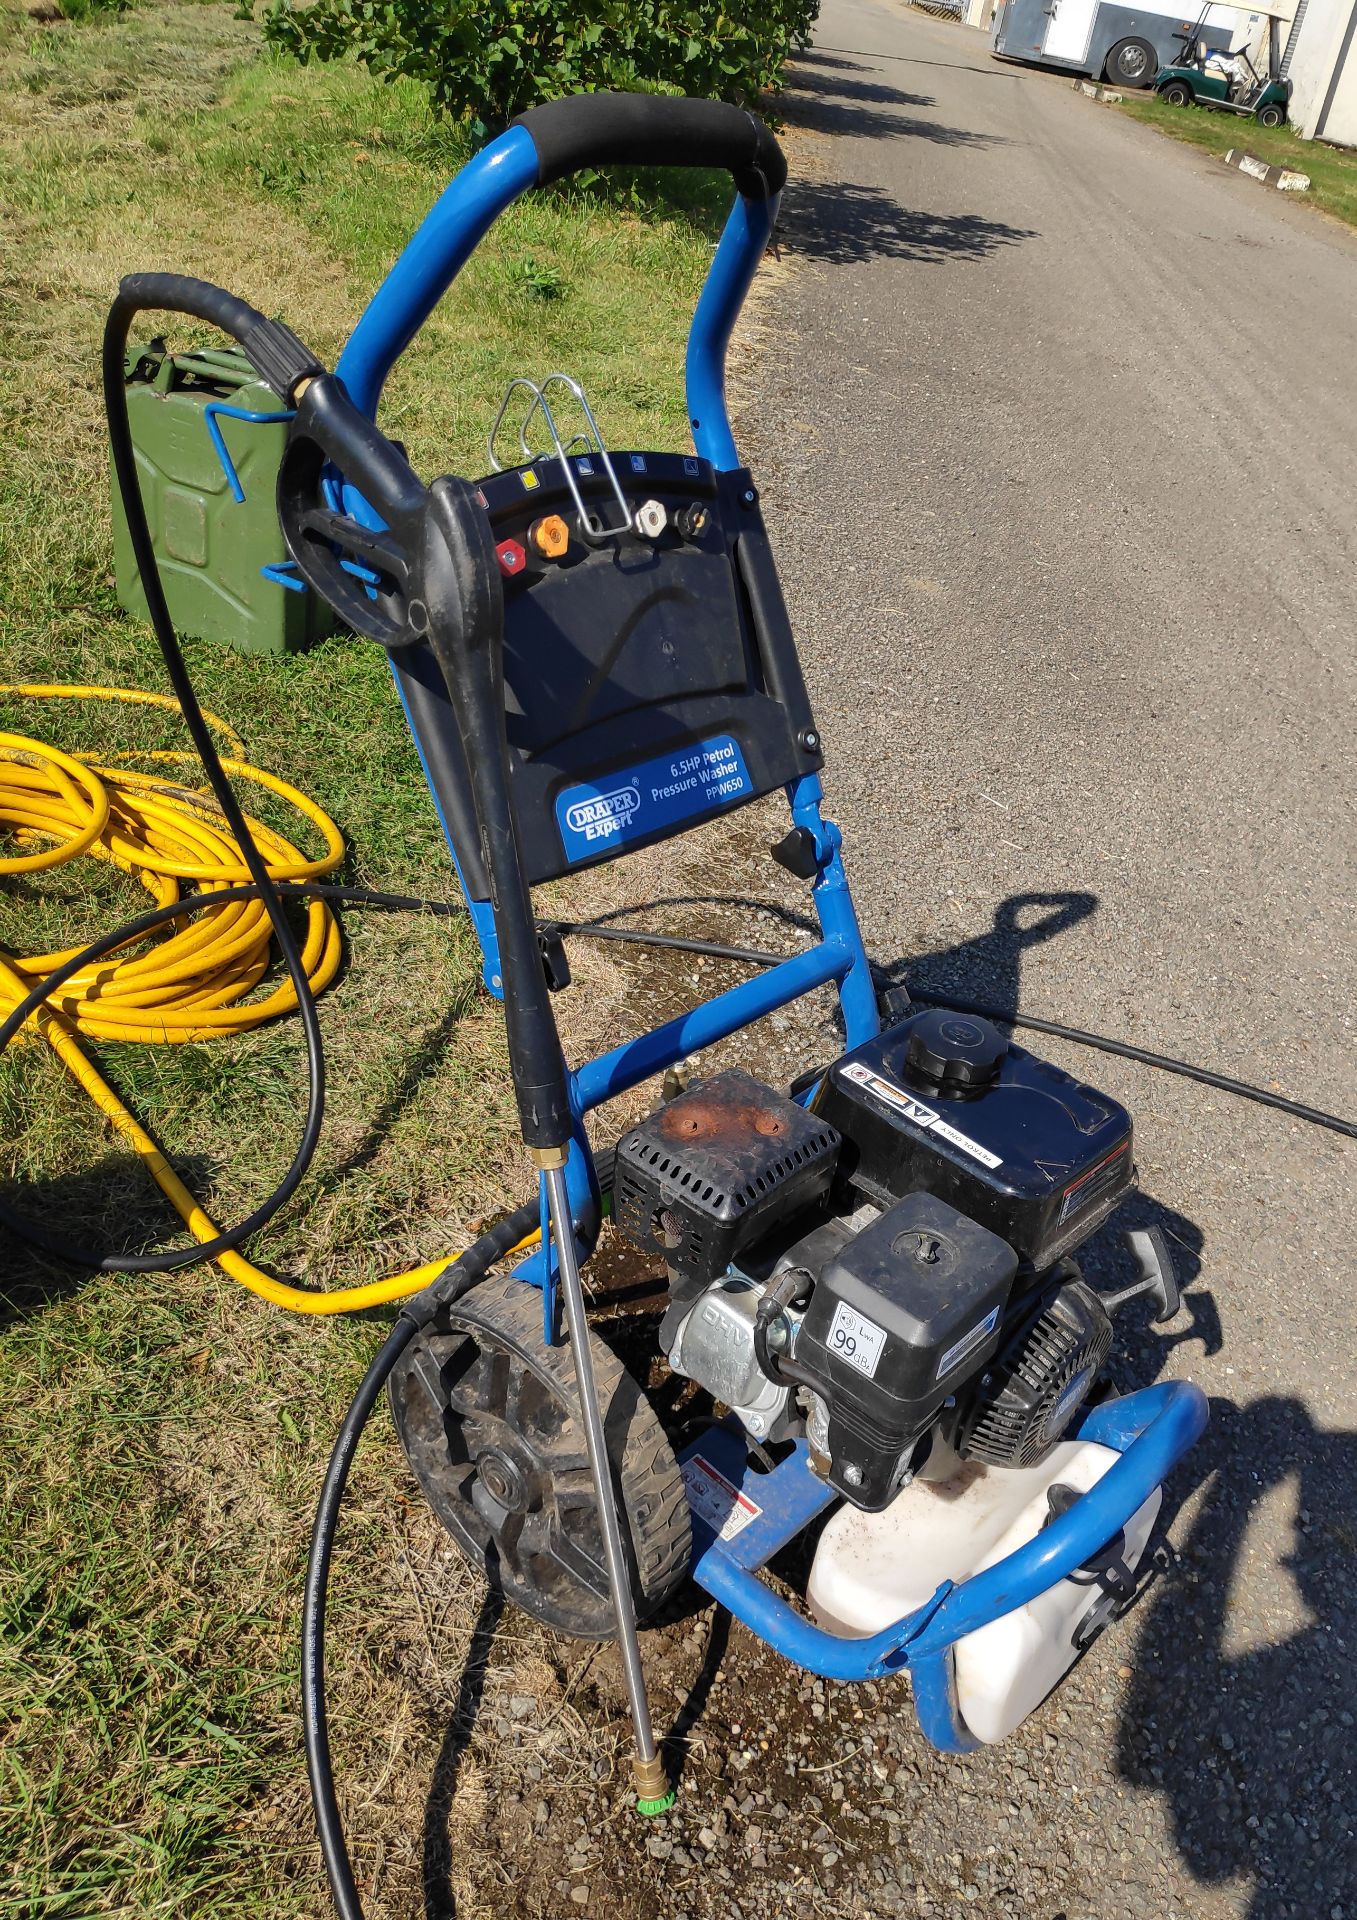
(593, 527)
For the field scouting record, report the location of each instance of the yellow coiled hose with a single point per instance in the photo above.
(195, 983)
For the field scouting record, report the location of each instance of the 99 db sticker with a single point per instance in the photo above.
(857, 1340)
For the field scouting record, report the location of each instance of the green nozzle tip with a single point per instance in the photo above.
(651, 1807)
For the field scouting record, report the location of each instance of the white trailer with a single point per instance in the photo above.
(1125, 44)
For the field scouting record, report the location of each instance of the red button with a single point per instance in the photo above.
(512, 556)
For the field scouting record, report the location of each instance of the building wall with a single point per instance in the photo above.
(1324, 73)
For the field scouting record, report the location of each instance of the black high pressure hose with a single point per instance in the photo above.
(414, 1316)
(281, 358)
(885, 977)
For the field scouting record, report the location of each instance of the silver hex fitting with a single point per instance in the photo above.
(652, 519)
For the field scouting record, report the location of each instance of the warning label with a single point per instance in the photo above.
(717, 1501)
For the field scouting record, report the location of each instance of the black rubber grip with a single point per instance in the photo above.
(178, 293)
(648, 130)
(272, 349)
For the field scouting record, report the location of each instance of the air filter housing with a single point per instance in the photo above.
(713, 1171)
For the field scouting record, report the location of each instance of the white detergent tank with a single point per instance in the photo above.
(871, 1569)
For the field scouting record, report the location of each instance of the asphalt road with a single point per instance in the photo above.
(1055, 421)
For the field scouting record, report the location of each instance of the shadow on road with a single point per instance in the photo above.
(825, 57)
(1253, 1745)
(842, 222)
(988, 966)
(808, 91)
(835, 103)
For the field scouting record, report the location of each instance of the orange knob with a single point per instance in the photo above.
(550, 536)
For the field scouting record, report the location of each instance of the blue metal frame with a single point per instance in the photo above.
(440, 247)
(1151, 1430)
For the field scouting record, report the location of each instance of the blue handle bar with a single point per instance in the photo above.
(460, 219)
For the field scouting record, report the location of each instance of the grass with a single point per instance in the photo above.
(1332, 170)
(164, 1437)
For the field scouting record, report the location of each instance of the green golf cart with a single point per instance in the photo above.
(1206, 77)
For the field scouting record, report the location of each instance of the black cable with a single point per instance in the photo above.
(315, 1722)
(196, 298)
(451, 1284)
(176, 1260)
(1165, 1063)
(929, 997)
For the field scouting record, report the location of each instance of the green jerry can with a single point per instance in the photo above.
(212, 546)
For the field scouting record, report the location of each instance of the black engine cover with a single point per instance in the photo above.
(910, 1308)
(943, 1103)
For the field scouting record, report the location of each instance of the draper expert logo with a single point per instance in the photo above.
(604, 814)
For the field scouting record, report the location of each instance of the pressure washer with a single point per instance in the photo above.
(873, 1275)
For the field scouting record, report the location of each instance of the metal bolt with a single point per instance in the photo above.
(810, 739)
(748, 498)
(853, 1474)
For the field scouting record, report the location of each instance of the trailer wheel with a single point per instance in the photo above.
(1271, 115)
(1176, 94)
(1132, 63)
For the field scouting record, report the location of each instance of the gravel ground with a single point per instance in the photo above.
(1054, 430)
(1054, 423)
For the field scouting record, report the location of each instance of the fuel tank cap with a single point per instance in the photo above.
(953, 1052)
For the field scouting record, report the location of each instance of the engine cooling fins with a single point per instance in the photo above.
(1037, 1383)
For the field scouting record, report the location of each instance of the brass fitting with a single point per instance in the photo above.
(649, 1778)
(547, 1158)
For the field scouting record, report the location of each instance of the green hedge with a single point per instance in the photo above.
(487, 63)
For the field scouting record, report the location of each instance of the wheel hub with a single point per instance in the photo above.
(502, 1480)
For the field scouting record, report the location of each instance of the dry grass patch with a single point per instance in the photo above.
(166, 1435)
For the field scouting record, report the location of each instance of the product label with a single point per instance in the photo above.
(968, 1342)
(926, 1117)
(639, 801)
(715, 1500)
(857, 1340)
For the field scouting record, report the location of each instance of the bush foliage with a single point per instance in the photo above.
(489, 62)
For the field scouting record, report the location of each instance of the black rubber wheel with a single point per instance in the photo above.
(1271, 115)
(489, 1419)
(1132, 63)
(1176, 94)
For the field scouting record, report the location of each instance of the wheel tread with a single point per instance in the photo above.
(647, 1473)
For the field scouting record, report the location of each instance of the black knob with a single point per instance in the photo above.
(952, 1052)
